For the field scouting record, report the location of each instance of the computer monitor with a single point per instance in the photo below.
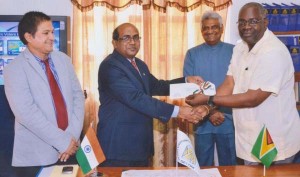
(11, 45)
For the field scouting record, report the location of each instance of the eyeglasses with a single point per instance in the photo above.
(251, 22)
(213, 28)
(127, 38)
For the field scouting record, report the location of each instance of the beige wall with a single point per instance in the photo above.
(64, 7)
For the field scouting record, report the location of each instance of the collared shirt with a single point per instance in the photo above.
(211, 63)
(268, 66)
(52, 67)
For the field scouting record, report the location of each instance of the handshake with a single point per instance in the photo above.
(193, 114)
(200, 108)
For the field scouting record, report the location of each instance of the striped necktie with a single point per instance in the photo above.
(60, 106)
(134, 65)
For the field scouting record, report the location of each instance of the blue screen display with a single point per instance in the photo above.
(11, 46)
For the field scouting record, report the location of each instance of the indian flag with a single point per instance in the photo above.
(264, 148)
(90, 153)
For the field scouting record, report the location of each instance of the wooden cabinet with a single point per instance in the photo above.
(297, 76)
(288, 33)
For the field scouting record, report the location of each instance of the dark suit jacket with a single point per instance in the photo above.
(125, 129)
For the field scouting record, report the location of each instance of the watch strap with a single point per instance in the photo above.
(210, 101)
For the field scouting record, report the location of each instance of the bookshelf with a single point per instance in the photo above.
(297, 74)
(290, 33)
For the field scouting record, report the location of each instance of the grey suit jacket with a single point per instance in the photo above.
(38, 140)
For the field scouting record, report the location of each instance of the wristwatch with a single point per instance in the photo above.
(210, 102)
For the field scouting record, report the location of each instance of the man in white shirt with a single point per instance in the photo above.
(259, 84)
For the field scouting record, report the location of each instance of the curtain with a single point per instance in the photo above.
(168, 29)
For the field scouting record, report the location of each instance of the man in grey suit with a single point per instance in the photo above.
(46, 130)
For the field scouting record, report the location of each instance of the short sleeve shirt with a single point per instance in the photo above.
(268, 66)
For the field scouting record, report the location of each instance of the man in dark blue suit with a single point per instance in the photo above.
(126, 87)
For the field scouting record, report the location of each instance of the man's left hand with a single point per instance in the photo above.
(194, 79)
(217, 118)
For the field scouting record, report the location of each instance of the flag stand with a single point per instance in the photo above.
(97, 174)
(176, 168)
(93, 173)
(176, 162)
(90, 154)
(264, 149)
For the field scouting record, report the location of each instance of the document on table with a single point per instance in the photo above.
(183, 90)
(56, 171)
(212, 172)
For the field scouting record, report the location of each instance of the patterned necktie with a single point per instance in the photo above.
(134, 65)
(60, 106)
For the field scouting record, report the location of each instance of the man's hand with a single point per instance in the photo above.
(202, 111)
(196, 99)
(73, 147)
(195, 79)
(217, 118)
(186, 112)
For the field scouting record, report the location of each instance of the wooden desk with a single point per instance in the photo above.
(292, 170)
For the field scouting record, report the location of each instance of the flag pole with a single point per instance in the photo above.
(177, 154)
(176, 167)
(94, 172)
(264, 170)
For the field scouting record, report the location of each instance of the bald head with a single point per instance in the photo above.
(252, 23)
(126, 40)
(116, 32)
(258, 6)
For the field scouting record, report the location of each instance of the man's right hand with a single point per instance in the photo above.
(73, 147)
(217, 118)
(187, 113)
(196, 99)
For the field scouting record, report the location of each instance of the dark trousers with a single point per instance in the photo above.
(205, 146)
(27, 171)
(34, 170)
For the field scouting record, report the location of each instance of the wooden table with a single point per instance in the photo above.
(292, 170)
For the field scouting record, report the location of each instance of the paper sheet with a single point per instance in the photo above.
(183, 90)
(212, 172)
(56, 171)
(208, 88)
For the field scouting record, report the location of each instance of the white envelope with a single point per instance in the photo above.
(183, 90)
(208, 88)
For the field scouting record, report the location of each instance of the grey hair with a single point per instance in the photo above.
(212, 15)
